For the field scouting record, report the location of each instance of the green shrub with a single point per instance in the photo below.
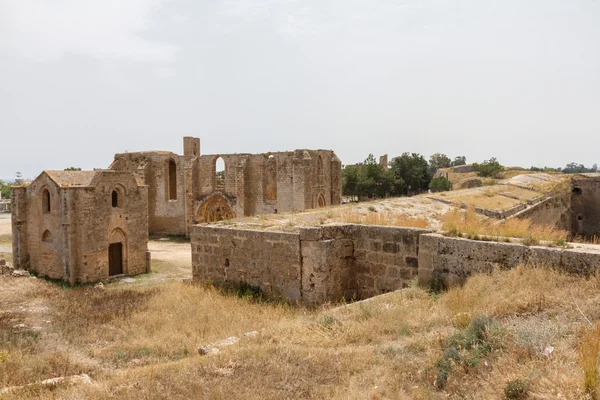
(516, 390)
(440, 184)
(489, 168)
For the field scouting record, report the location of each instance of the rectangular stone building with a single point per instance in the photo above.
(81, 226)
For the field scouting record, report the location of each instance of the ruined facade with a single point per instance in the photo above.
(81, 226)
(188, 189)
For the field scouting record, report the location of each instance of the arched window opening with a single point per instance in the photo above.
(320, 170)
(47, 236)
(115, 199)
(270, 179)
(46, 201)
(172, 181)
(220, 174)
(577, 191)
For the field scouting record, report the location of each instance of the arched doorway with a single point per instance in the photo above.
(117, 250)
(215, 208)
(321, 201)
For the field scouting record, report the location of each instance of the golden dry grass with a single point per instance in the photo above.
(489, 199)
(142, 343)
(589, 348)
(469, 224)
(379, 218)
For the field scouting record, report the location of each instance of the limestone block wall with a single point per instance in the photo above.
(585, 205)
(166, 215)
(456, 259)
(97, 224)
(268, 260)
(40, 238)
(328, 265)
(386, 258)
(314, 265)
(332, 262)
(554, 211)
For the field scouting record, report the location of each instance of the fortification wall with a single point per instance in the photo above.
(455, 259)
(314, 265)
(267, 260)
(329, 263)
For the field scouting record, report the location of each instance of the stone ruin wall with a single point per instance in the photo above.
(165, 216)
(269, 260)
(314, 265)
(333, 262)
(585, 205)
(253, 184)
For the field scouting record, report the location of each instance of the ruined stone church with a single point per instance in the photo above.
(187, 189)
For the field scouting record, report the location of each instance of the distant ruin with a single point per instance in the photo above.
(187, 189)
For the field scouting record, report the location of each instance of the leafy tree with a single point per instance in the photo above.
(72, 169)
(374, 181)
(4, 190)
(574, 168)
(489, 168)
(460, 160)
(413, 171)
(350, 178)
(437, 161)
(440, 184)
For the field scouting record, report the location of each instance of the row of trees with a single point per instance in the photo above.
(407, 174)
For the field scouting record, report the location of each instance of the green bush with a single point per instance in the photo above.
(440, 184)
(516, 390)
(489, 168)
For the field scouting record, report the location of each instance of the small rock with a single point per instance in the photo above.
(99, 286)
(207, 350)
(19, 326)
(252, 334)
(227, 342)
(19, 273)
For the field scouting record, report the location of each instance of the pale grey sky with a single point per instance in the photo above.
(515, 79)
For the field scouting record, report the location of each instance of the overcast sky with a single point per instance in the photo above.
(516, 79)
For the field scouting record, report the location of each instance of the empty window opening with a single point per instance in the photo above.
(320, 170)
(115, 199)
(579, 218)
(270, 179)
(226, 264)
(219, 174)
(577, 191)
(115, 259)
(46, 201)
(172, 178)
(47, 236)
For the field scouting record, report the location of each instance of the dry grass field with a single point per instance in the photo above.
(141, 343)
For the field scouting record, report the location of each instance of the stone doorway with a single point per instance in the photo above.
(115, 259)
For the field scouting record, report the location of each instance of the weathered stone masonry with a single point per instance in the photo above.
(186, 189)
(313, 265)
(333, 262)
(81, 226)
